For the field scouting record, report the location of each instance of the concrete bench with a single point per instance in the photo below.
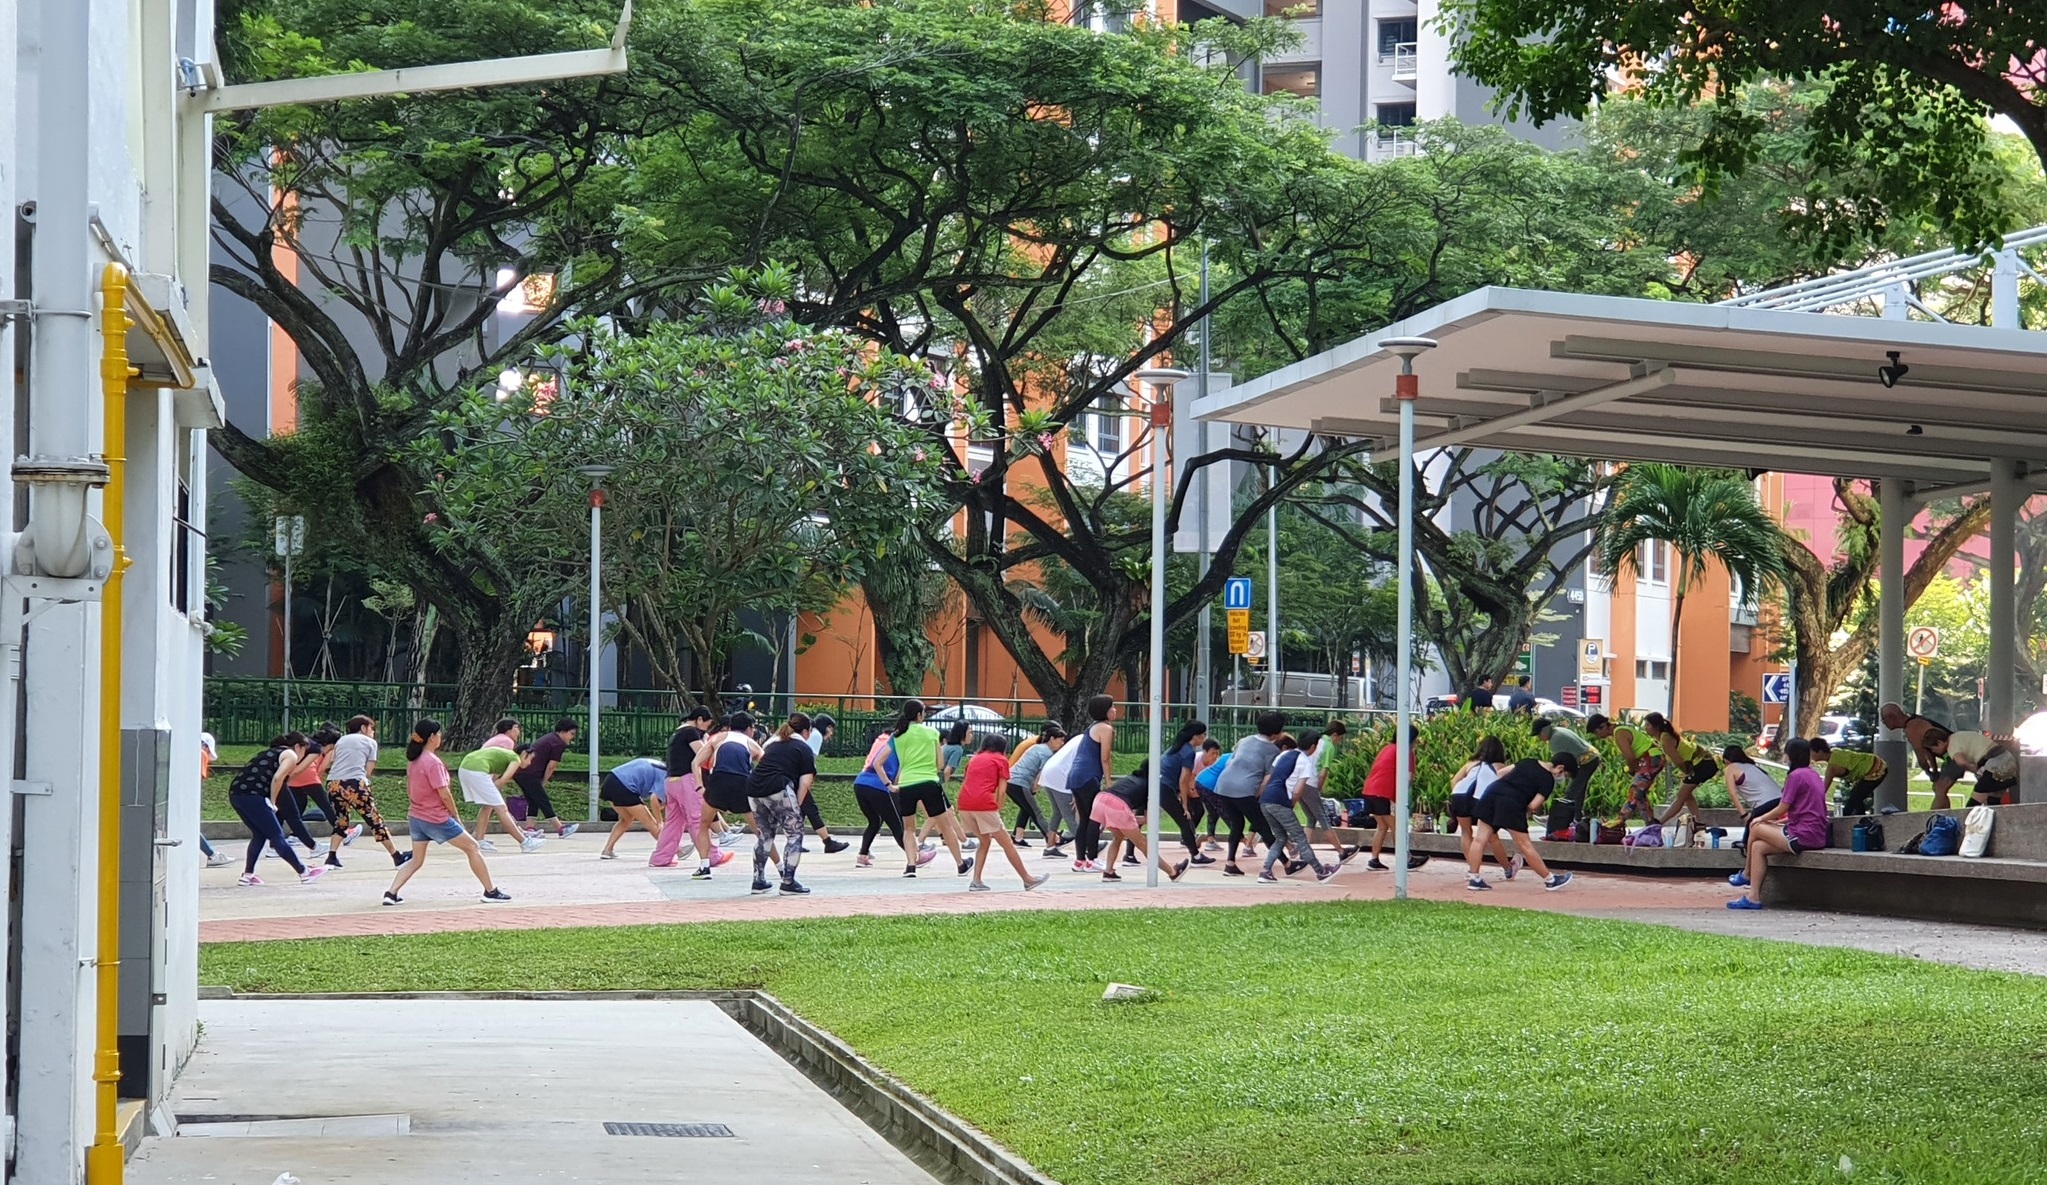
(2007, 886)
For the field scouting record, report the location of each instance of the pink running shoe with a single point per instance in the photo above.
(312, 874)
(926, 856)
(720, 858)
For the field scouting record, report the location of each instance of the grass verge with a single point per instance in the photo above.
(1331, 1044)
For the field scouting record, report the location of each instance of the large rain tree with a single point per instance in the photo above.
(383, 237)
(758, 467)
(1909, 86)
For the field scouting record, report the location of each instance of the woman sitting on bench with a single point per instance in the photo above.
(1797, 824)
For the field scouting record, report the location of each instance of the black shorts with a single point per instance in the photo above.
(726, 792)
(617, 793)
(1797, 847)
(1991, 789)
(1506, 812)
(1377, 806)
(1699, 772)
(929, 795)
(1760, 811)
(1461, 806)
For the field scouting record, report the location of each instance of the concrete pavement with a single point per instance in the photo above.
(565, 884)
(470, 1091)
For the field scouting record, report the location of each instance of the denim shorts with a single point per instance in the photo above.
(424, 832)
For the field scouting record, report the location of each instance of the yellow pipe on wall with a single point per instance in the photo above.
(106, 1159)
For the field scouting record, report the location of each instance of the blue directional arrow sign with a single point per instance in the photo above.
(1776, 689)
(1237, 593)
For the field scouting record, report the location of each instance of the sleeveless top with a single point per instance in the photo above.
(1087, 763)
(733, 758)
(256, 776)
(1478, 781)
(883, 754)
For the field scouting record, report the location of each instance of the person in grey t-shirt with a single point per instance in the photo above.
(1241, 782)
(1023, 787)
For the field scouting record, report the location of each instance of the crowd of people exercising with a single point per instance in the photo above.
(726, 782)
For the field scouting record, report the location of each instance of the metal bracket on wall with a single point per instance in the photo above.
(23, 786)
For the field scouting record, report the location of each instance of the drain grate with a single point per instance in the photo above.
(667, 1129)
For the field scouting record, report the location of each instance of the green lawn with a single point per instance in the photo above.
(1329, 1044)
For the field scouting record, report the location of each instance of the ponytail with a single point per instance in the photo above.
(911, 712)
(290, 740)
(422, 732)
(797, 722)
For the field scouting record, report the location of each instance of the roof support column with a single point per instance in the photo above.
(2005, 499)
(1891, 747)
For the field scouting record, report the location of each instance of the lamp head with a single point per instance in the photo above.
(1406, 348)
(1162, 376)
(596, 473)
(1889, 375)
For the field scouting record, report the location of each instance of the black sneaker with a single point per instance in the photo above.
(1200, 858)
(791, 888)
(1414, 862)
(966, 866)
(1343, 856)
(1293, 866)
(703, 873)
(761, 886)
(497, 895)
(1232, 870)
(1376, 865)
(333, 861)
(836, 845)
(910, 871)
(391, 898)
(398, 859)
(1022, 843)
(1130, 858)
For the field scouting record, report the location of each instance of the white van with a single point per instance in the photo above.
(1299, 689)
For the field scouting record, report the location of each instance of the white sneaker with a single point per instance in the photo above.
(218, 859)
(249, 878)
(349, 836)
(568, 829)
(487, 846)
(531, 843)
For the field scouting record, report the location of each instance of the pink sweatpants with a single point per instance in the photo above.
(685, 811)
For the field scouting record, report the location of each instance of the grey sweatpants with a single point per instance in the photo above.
(775, 816)
(1286, 824)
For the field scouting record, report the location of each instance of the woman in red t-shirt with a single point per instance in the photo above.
(980, 811)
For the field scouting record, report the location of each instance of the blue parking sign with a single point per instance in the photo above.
(1777, 689)
(1237, 593)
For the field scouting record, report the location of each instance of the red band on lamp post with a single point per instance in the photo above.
(1161, 413)
(1407, 386)
(597, 499)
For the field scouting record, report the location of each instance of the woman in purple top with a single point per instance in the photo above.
(1796, 824)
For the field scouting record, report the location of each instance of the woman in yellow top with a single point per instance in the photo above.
(1639, 756)
(1695, 766)
(1863, 772)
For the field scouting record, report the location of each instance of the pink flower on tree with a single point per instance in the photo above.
(431, 519)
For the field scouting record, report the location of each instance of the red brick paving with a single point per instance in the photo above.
(1441, 881)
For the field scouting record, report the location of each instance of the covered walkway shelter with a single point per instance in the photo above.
(1963, 409)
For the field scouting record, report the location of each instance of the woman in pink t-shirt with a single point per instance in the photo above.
(430, 811)
(1796, 824)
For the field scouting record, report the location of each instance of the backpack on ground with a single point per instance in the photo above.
(1943, 836)
(1976, 831)
(1648, 837)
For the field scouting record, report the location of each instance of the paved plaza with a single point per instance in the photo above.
(398, 1092)
(565, 884)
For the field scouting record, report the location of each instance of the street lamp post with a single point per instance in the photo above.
(596, 474)
(1406, 389)
(1162, 380)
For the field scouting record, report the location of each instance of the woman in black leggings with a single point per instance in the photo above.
(1023, 786)
(254, 795)
(878, 803)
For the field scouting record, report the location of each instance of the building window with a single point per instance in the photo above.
(1108, 430)
(1294, 9)
(1652, 668)
(1654, 563)
(1303, 80)
(1395, 34)
(1395, 115)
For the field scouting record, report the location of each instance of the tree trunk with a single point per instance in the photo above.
(1677, 616)
(423, 643)
(484, 674)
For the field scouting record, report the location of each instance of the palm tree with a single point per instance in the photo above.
(1702, 515)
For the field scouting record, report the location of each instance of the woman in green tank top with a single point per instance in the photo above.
(917, 781)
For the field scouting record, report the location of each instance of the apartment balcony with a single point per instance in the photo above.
(1310, 48)
(1391, 143)
(1406, 62)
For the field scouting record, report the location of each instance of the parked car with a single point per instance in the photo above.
(1846, 732)
(1301, 689)
(982, 720)
(1768, 737)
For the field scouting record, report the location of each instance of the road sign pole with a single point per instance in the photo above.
(1919, 700)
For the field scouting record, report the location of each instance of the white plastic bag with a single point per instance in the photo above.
(1976, 830)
